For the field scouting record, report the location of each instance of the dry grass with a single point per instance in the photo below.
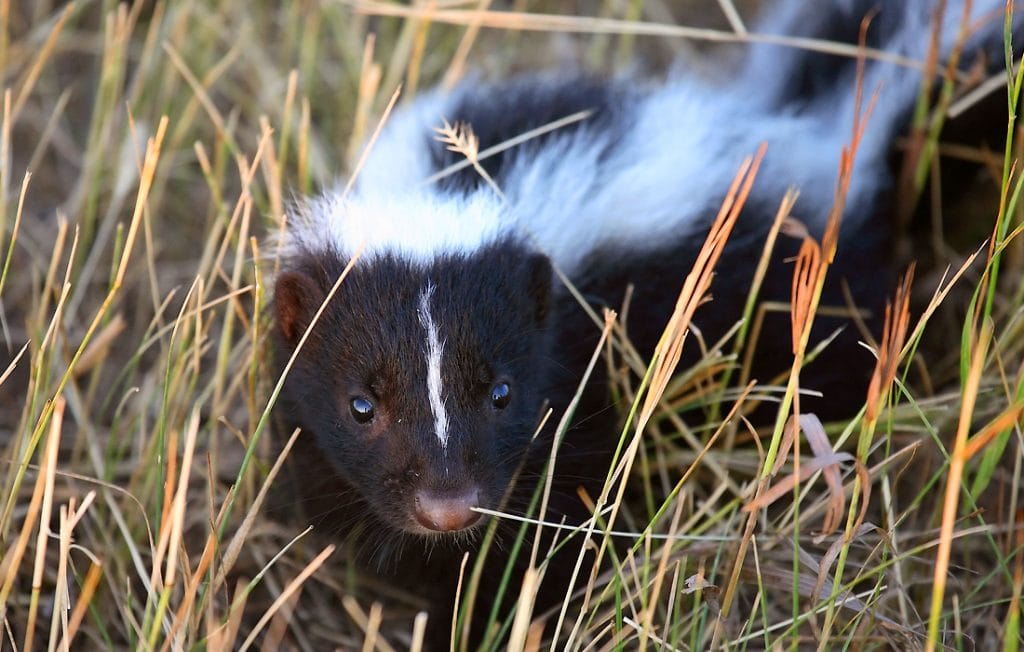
(146, 150)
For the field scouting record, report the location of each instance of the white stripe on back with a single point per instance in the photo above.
(655, 180)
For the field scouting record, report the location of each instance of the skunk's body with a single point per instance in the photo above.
(420, 387)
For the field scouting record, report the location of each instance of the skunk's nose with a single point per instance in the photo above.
(447, 511)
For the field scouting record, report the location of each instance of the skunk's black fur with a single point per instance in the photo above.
(420, 387)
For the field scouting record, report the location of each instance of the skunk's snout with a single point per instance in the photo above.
(447, 511)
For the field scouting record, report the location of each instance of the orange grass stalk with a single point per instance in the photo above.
(813, 259)
(1006, 420)
(92, 580)
(695, 464)
(890, 352)
(696, 285)
(811, 268)
(171, 532)
(46, 474)
(958, 459)
(812, 263)
(669, 348)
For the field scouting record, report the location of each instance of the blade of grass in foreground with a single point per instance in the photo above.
(951, 503)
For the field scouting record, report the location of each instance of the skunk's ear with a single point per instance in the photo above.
(539, 273)
(297, 297)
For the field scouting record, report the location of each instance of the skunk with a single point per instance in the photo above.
(420, 386)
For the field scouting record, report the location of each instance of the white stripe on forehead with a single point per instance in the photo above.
(435, 348)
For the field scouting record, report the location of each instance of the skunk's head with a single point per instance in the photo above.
(421, 381)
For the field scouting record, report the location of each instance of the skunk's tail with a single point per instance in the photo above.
(902, 32)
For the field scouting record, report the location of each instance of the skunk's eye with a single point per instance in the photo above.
(362, 409)
(500, 395)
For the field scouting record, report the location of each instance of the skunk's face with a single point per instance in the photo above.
(423, 383)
